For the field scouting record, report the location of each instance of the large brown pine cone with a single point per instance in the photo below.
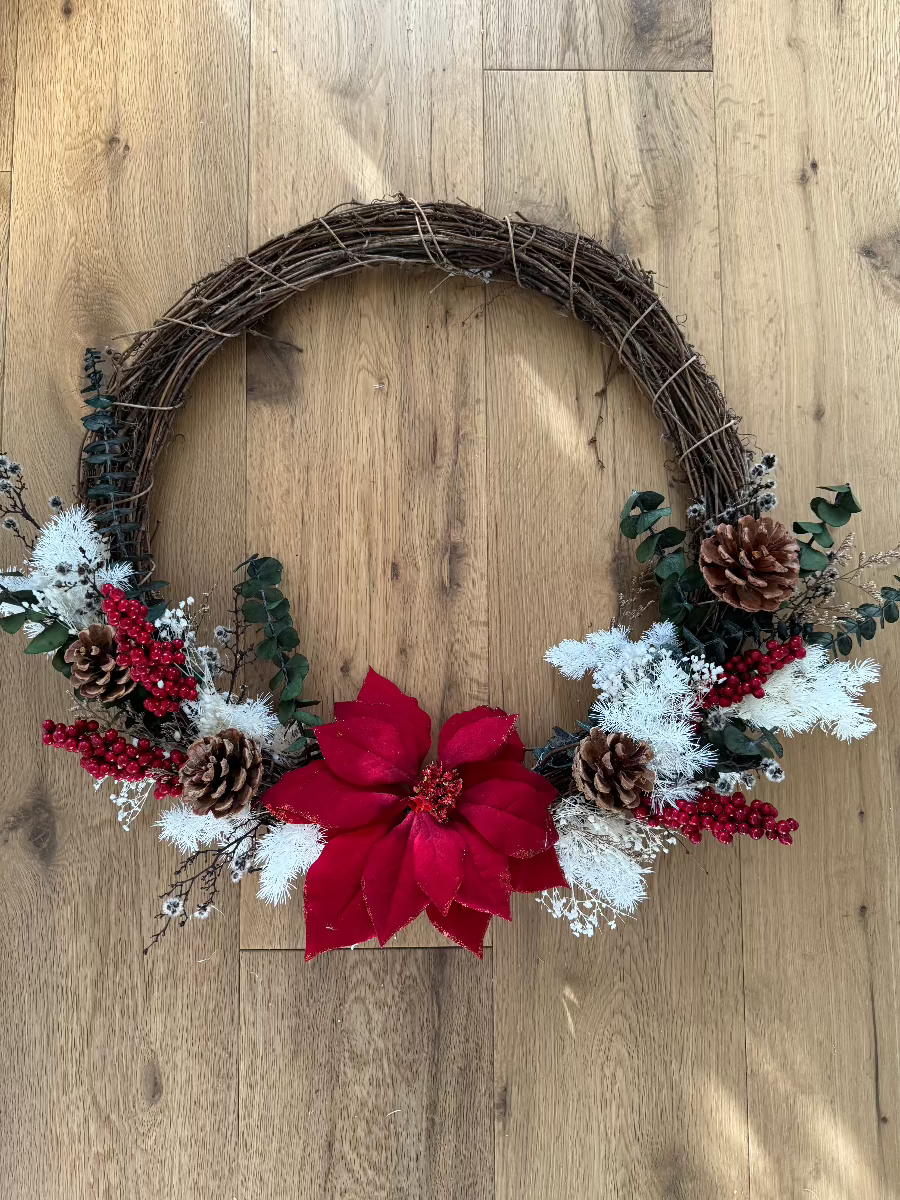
(94, 670)
(612, 770)
(753, 565)
(222, 773)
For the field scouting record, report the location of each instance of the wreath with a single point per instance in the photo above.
(750, 645)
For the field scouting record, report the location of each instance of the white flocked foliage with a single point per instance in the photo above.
(283, 855)
(814, 692)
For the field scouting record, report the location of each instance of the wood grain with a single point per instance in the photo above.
(130, 181)
(366, 1075)
(9, 13)
(5, 185)
(811, 262)
(365, 420)
(630, 35)
(600, 1044)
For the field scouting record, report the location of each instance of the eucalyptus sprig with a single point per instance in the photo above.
(832, 514)
(264, 605)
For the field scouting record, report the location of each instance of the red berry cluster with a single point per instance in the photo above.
(722, 816)
(154, 663)
(746, 673)
(108, 754)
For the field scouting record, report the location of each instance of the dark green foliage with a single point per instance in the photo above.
(863, 626)
(737, 750)
(831, 514)
(111, 458)
(263, 604)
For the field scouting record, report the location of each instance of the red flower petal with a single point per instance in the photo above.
(368, 752)
(462, 925)
(314, 793)
(479, 735)
(486, 881)
(538, 873)
(336, 913)
(380, 698)
(393, 897)
(437, 860)
(510, 807)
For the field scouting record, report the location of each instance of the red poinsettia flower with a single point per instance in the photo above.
(452, 839)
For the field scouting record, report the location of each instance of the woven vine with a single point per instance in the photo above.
(613, 295)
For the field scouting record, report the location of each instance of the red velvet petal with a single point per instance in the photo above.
(486, 881)
(336, 913)
(369, 753)
(509, 806)
(314, 793)
(479, 735)
(380, 698)
(393, 897)
(462, 925)
(538, 873)
(437, 859)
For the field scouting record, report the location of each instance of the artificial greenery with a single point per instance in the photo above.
(263, 605)
(831, 515)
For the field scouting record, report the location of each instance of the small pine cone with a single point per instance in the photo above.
(222, 773)
(94, 671)
(612, 770)
(753, 565)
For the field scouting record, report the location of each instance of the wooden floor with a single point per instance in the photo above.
(422, 464)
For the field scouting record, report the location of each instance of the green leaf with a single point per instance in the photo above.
(267, 650)
(648, 547)
(285, 712)
(891, 612)
(829, 513)
(672, 564)
(867, 629)
(671, 536)
(844, 643)
(633, 527)
(288, 639)
(844, 496)
(692, 579)
(310, 719)
(812, 560)
(14, 622)
(59, 660)
(254, 612)
(50, 638)
(817, 529)
(645, 501)
(268, 570)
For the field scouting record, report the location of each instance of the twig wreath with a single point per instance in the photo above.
(750, 644)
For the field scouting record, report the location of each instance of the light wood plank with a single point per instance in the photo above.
(601, 1044)
(629, 35)
(366, 1075)
(9, 13)
(809, 181)
(130, 182)
(366, 429)
(5, 186)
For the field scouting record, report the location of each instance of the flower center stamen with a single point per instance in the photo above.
(436, 792)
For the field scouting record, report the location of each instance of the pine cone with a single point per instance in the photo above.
(753, 565)
(612, 770)
(222, 773)
(94, 669)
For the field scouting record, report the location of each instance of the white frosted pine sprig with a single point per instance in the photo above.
(283, 855)
(190, 831)
(660, 706)
(814, 692)
(610, 655)
(606, 858)
(68, 566)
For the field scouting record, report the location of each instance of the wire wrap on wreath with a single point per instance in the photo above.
(611, 294)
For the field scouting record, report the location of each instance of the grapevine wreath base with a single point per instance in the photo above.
(750, 646)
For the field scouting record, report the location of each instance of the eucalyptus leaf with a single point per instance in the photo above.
(50, 638)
